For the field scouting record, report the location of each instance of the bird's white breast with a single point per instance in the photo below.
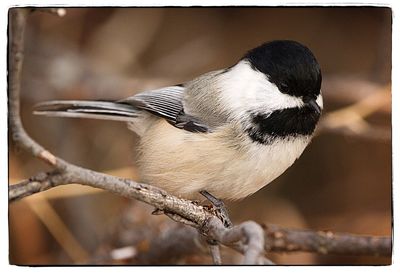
(227, 166)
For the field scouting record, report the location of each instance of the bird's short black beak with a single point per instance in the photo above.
(313, 104)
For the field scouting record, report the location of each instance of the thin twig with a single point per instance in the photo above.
(250, 233)
(215, 253)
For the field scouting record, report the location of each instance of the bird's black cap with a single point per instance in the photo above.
(291, 66)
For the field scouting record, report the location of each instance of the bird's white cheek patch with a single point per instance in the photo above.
(246, 89)
(275, 100)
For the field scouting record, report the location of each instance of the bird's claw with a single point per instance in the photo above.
(218, 208)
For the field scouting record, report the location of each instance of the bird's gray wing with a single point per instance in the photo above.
(167, 103)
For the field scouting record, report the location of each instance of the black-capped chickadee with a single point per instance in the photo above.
(229, 132)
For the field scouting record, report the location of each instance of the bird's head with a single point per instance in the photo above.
(277, 87)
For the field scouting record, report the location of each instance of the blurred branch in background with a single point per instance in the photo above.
(58, 229)
(56, 11)
(366, 99)
(250, 235)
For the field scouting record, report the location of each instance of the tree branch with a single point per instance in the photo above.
(72, 174)
(248, 237)
(179, 242)
(281, 239)
(215, 254)
(18, 18)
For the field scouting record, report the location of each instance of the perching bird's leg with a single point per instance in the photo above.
(220, 208)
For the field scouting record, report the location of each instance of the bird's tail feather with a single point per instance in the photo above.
(87, 109)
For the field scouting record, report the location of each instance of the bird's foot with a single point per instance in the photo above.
(219, 208)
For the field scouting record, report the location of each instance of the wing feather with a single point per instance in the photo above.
(165, 102)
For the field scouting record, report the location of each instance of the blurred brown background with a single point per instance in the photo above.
(342, 182)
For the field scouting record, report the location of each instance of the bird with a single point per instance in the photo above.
(228, 132)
